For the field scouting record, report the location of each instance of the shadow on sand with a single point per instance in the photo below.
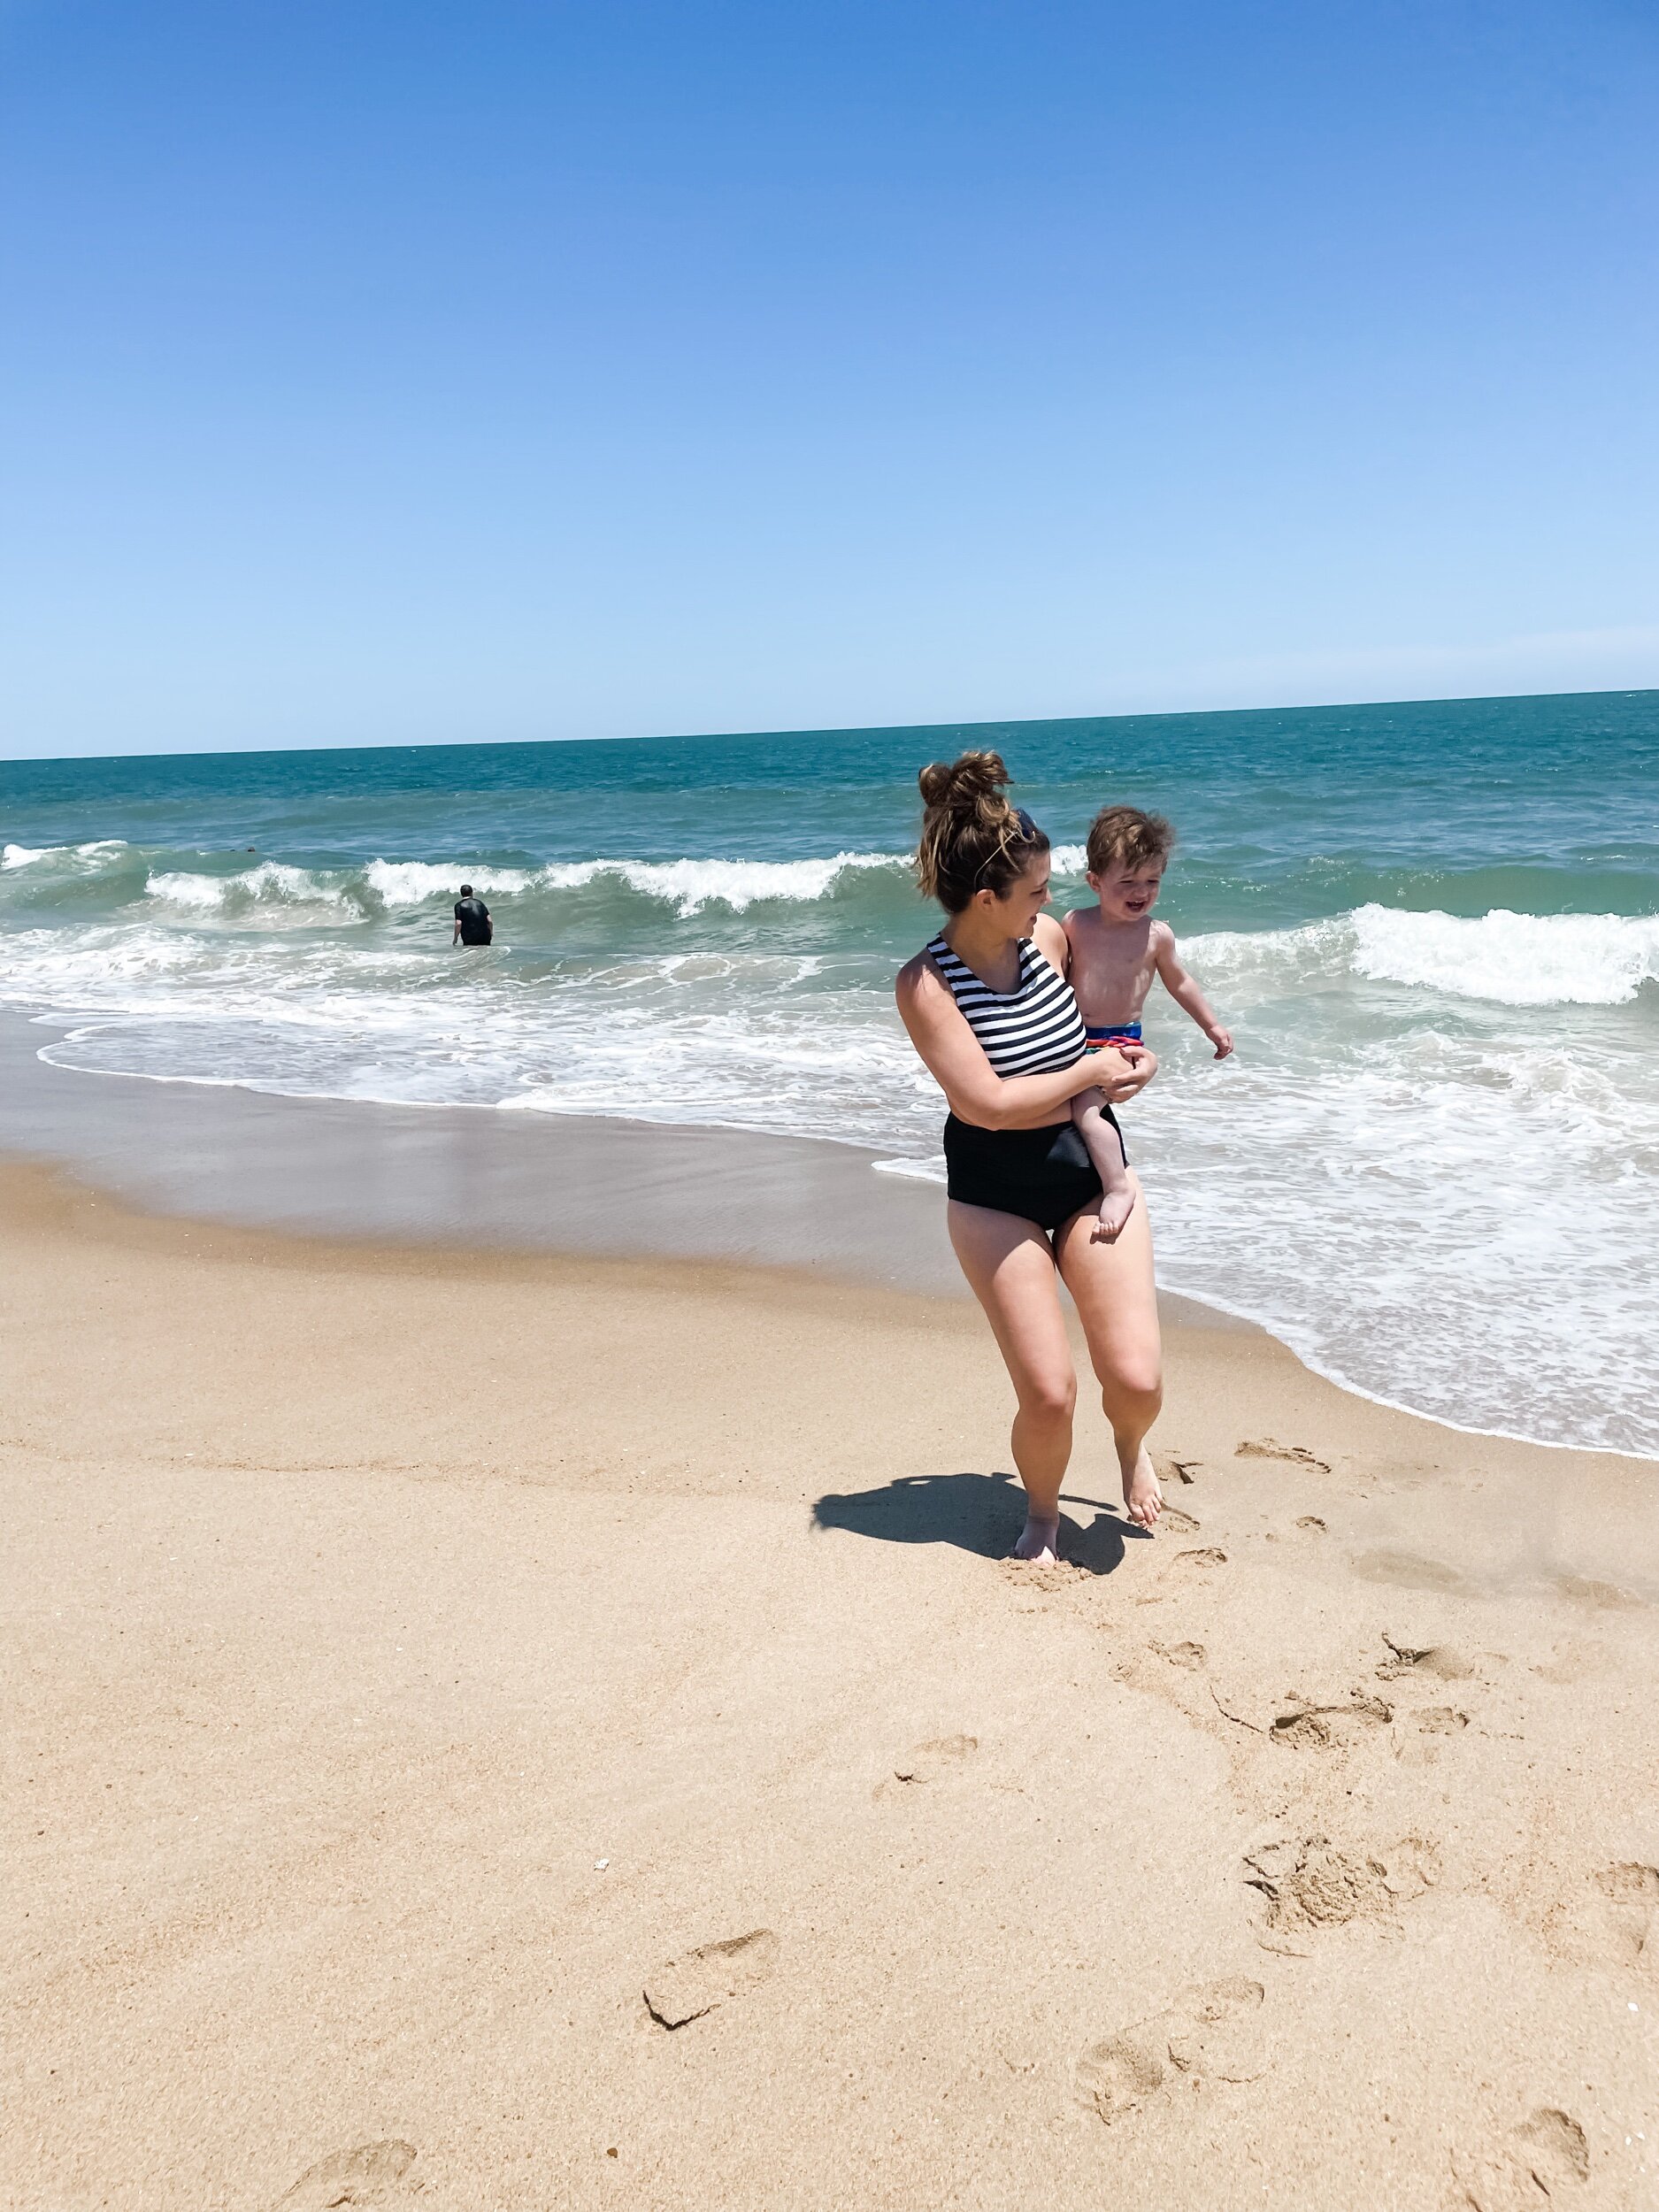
(982, 1514)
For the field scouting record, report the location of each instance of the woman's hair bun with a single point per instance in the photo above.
(965, 781)
(972, 839)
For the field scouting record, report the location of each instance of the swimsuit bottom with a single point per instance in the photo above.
(1043, 1175)
(1114, 1033)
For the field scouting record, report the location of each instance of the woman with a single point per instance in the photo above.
(987, 1007)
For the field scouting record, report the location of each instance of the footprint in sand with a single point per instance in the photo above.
(684, 1988)
(1442, 1720)
(1173, 1470)
(1046, 1576)
(1600, 1597)
(1438, 1662)
(1548, 2156)
(926, 1762)
(1304, 1726)
(368, 2175)
(1211, 2033)
(1630, 1894)
(1613, 1920)
(1199, 1559)
(1297, 1454)
(1310, 1525)
(1186, 1654)
(1181, 1524)
(1307, 1885)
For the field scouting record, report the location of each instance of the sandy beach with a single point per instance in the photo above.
(496, 1730)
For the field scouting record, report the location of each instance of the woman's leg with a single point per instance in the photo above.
(1008, 1261)
(1118, 1306)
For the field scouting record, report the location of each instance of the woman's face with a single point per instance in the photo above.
(1024, 900)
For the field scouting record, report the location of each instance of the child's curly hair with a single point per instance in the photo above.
(1124, 837)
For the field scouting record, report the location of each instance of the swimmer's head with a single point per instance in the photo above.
(467, 890)
(1128, 852)
(976, 848)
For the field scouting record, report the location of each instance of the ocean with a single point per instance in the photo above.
(1431, 1167)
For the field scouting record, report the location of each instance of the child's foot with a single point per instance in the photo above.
(1039, 1540)
(1116, 1206)
(1143, 1496)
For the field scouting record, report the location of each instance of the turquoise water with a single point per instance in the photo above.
(1434, 929)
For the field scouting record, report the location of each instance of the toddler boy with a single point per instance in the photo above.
(1116, 949)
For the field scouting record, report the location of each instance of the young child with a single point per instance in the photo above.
(1117, 949)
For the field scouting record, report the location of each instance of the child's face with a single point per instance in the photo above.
(1127, 893)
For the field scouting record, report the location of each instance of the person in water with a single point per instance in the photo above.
(987, 1007)
(1115, 949)
(472, 924)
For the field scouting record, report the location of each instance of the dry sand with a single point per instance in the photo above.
(492, 1731)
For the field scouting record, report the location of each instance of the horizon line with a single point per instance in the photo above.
(826, 730)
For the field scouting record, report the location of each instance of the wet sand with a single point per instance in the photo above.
(496, 1730)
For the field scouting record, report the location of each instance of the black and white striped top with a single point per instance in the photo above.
(1032, 1030)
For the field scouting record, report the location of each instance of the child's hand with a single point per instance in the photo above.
(1222, 1040)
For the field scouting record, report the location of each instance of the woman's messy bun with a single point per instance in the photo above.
(965, 780)
(972, 840)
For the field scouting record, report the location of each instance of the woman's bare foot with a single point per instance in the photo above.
(1039, 1540)
(1143, 1495)
(1116, 1206)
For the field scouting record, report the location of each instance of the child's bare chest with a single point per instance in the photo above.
(1111, 969)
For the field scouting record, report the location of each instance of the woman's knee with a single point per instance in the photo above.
(1051, 1398)
(1133, 1391)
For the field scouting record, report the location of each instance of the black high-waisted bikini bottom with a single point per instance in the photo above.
(1044, 1175)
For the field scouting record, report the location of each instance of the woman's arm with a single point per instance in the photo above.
(973, 1089)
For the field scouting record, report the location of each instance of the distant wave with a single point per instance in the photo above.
(1503, 957)
(27, 856)
(687, 885)
(271, 883)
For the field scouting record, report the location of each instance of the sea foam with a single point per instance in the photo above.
(1516, 959)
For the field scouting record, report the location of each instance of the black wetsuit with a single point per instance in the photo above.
(474, 916)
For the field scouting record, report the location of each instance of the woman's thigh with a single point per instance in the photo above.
(1010, 1268)
(1116, 1297)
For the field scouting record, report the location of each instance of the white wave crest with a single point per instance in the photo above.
(1516, 959)
(687, 885)
(413, 882)
(27, 856)
(691, 885)
(271, 883)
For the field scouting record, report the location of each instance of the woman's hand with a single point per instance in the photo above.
(1141, 1065)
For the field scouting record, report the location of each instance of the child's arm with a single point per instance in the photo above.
(1187, 994)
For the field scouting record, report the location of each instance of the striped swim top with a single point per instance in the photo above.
(1034, 1029)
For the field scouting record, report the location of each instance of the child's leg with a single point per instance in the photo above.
(1105, 1150)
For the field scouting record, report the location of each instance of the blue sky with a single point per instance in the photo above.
(382, 373)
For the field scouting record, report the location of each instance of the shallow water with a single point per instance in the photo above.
(1431, 1166)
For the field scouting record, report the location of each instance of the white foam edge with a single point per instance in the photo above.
(1315, 1366)
(1326, 1372)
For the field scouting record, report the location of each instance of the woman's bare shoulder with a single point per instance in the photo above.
(916, 980)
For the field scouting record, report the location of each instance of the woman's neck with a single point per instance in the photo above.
(980, 939)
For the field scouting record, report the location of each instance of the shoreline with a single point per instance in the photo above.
(478, 1179)
(471, 1179)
